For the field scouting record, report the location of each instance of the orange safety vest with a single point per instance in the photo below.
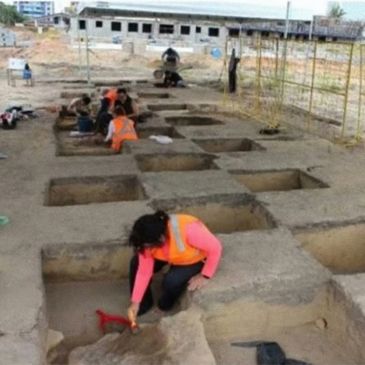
(123, 130)
(179, 251)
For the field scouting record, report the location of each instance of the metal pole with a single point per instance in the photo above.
(285, 49)
(223, 73)
(78, 40)
(240, 41)
(359, 114)
(258, 76)
(312, 84)
(287, 20)
(347, 90)
(311, 30)
(276, 58)
(87, 56)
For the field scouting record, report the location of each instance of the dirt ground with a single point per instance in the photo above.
(51, 55)
(263, 264)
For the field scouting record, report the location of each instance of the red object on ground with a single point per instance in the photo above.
(105, 318)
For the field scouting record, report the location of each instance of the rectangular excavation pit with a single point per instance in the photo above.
(282, 180)
(153, 95)
(94, 189)
(193, 120)
(341, 249)
(175, 162)
(81, 146)
(79, 279)
(222, 213)
(75, 94)
(162, 107)
(314, 332)
(217, 145)
(164, 131)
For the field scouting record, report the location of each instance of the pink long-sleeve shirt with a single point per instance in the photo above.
(198, 236)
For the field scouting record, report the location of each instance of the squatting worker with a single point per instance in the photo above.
(170, 56)
(120, 129)
(179, 240)
(128, 104)
(81, 107)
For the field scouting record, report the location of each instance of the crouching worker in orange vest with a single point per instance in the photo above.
(181, 241)
(120, 129)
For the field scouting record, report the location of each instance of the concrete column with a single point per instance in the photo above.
(124, 33)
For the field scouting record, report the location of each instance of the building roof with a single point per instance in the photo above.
(63, 15)
(223, 11)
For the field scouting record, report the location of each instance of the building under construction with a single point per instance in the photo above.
(120, 23)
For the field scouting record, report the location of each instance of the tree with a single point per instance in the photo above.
(9, 15)
(336, 11)
(72, 9)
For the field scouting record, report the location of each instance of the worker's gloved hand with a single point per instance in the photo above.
(197, 282)
(133, 311)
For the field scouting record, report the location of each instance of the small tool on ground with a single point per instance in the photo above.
(269, 353)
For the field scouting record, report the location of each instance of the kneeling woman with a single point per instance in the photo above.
(120, 129)
(179, 240)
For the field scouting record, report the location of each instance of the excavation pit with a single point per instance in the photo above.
(217, 145)
(164, 131)
(340, 249)
(283, 180)
(153, 95)
(310, 333)
(71, 310)
(75, 94)
(222, 214)
(175, 162)
(82, 278)
(79, 279)
(66, 123)
(296, 329)
(81, 146)
(96, 189)
(280, 138)
(167, 107)
(192, 121)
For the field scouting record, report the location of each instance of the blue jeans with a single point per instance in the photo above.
(85, 124)
(174, 283)
(27, 74)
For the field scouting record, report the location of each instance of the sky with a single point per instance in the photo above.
(316, 7)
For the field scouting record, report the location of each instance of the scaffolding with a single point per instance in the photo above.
(318, 86)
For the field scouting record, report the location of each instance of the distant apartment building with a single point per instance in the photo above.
(35, 9)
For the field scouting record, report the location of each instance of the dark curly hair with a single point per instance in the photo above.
(86, 99)
(148, 229)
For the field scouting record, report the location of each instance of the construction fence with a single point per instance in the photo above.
(318, 86)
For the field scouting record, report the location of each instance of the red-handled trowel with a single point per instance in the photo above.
(105, 318)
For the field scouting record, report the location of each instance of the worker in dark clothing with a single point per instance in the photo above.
(170, 57)
(129, 105)
(173, 79)
(232, 72)
(104, 115)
